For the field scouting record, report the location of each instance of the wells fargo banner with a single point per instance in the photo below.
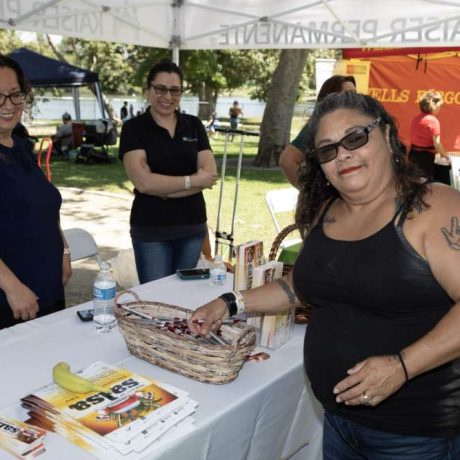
(399, 81)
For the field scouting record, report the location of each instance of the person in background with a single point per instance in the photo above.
(124, 111)
(63, 139)
(212, 124)
(293, 154)
(131, 111)
(167, 156)
(34, 257)
(425, 134)
(379, 265)
(235, 113)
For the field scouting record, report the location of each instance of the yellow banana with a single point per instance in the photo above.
(63, 377)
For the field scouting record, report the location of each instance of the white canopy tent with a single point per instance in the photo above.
(244, 24)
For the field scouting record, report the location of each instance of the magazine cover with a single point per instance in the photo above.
(248, 256)
(272, 330)
(21, 439)
(133, 412)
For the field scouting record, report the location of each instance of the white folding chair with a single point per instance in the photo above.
(81, 244)
(282, 201)
(455, 171)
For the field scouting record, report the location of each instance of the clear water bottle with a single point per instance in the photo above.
(218, 271)
(104, 291)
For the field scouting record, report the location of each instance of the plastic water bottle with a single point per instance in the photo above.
(218, 271)
(104, 291)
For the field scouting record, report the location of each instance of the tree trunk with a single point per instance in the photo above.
(276, 122)
(207, 99)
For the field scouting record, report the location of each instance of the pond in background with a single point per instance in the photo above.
(52, 108)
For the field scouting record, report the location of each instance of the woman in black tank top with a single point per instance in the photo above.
(380, 264)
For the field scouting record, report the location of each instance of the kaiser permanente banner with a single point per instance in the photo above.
(399, 81)
(218, 24)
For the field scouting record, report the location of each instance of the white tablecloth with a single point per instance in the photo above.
(267, 413)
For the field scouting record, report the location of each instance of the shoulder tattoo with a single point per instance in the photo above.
(288, 291)
(329, 220)
(452, 234)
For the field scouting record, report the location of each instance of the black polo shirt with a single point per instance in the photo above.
(171, 156)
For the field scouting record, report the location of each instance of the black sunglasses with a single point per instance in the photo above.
(351, 141)
(161, 90)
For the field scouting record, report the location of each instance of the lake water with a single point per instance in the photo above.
(52, 108)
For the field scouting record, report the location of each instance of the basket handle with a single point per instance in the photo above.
(236, 343)
(128, 291)
(279, 239)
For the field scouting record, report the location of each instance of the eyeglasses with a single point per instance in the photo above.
(17, 98)
(161, 90)
(351, 141)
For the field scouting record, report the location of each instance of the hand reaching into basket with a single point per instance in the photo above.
(208, 318)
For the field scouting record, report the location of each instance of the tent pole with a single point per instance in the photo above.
(175, 55)
(175, 38)
(76, 102)
(97, 87)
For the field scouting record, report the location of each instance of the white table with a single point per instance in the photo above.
(266, 413)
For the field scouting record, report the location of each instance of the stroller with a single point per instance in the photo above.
(98, 135)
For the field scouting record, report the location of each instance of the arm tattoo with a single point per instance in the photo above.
(288, 291)
(452, 236)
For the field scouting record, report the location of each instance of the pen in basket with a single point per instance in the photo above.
(179, 326)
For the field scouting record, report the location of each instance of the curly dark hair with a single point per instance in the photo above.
(314, 187)
(24, 84)
(164, 65)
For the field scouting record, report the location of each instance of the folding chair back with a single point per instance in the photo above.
(78, 130)
(281, 201)
(81, 244)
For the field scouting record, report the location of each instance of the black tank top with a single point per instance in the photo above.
(371, 297)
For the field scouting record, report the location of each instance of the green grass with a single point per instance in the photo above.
(252, 220)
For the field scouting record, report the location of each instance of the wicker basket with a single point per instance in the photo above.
(194, 358)
(302, 314)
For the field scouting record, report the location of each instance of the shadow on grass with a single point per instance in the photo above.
(112, 177)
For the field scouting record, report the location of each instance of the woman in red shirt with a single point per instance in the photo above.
(426, 134)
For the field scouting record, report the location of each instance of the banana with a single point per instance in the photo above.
(63, 377)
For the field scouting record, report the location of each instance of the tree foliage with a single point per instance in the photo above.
(9, 41)
(109, 60)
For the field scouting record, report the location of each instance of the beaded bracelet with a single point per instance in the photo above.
(403, 364)
(230, 300)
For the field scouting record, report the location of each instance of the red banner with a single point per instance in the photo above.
(399, 81)
(359, 53)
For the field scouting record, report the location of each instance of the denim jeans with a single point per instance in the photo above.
(346, 440)
(157, 259)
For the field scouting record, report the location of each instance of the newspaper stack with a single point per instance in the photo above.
(135, 413)
(20, 439)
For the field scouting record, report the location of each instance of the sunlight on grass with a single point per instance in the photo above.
(252, 219)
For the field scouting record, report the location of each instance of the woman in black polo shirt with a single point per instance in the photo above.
(167, 156)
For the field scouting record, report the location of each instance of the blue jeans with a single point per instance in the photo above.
(346, 440)
(157, 259)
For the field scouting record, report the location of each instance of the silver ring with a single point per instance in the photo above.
(367, 399)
